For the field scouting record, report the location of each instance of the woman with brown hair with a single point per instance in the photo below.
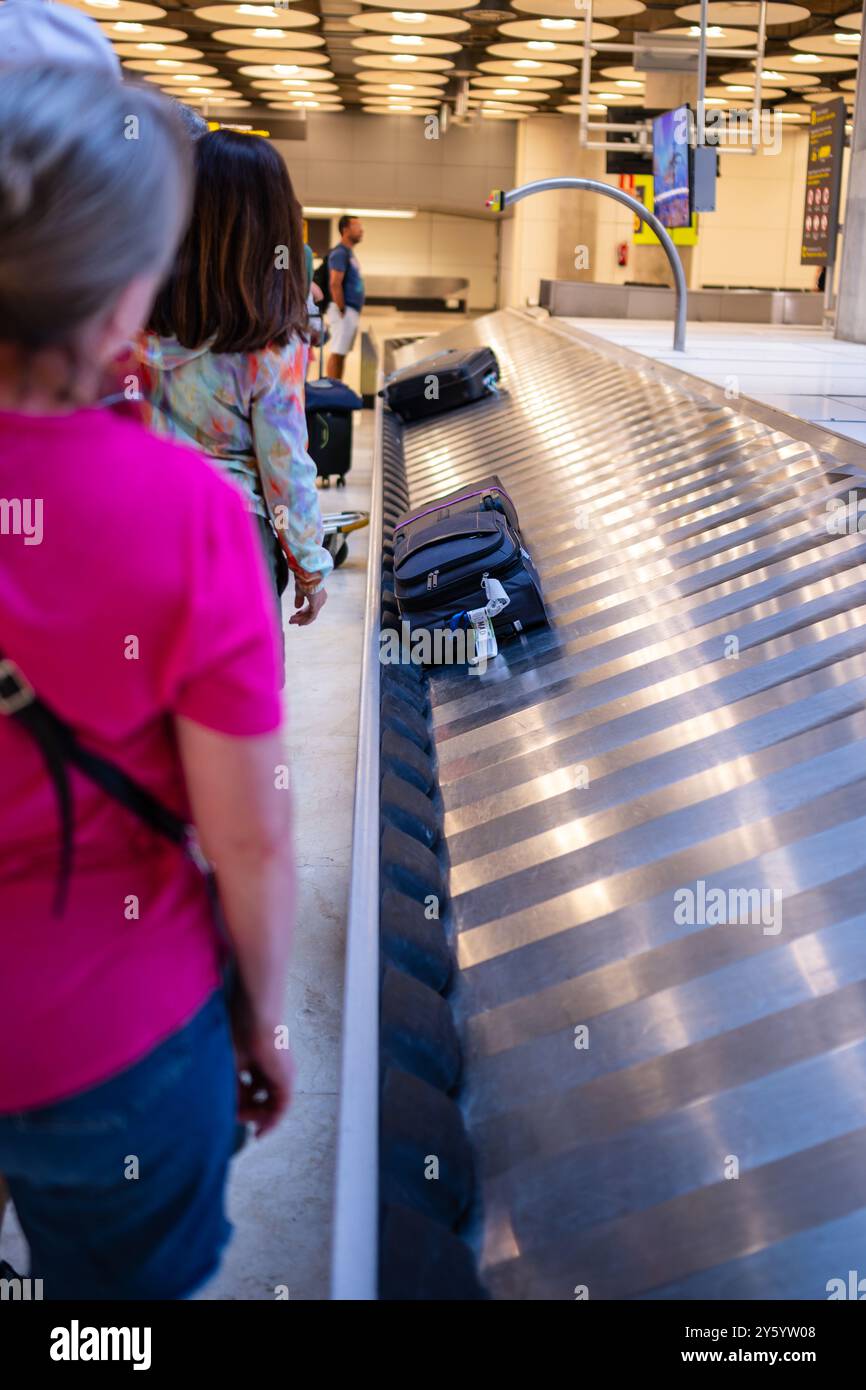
(224, 360)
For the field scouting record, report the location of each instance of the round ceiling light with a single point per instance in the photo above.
(156, 50)
(253, 16)
(745, 12)
(268, 38)
(395, 43)
(541, 70)
(129, 32)
(557, 30)
(564, 9)
(118, 9)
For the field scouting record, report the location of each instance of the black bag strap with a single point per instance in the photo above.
(59, 747)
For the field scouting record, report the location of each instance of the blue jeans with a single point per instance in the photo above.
(120, 1190)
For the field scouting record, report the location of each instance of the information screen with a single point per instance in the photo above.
(672, 168)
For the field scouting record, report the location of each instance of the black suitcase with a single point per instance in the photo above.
(438, 572)
(329, 406)
(487, 494)
(442, 382)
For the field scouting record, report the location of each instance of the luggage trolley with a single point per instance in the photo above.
(338, 525)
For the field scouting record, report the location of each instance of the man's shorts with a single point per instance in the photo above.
(344, 328)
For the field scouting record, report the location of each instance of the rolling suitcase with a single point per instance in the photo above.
(442, 382)
(439, 573)
(329, 406)
(487, 495)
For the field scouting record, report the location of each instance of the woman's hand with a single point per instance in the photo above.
(310, 605)
(266, 1075)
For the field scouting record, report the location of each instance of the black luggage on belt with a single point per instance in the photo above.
(442, 382)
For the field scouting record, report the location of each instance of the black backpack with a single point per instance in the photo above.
(322, 278)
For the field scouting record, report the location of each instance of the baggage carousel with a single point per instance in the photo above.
(642, 1072)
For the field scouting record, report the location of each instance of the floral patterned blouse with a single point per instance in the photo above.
(245, 411)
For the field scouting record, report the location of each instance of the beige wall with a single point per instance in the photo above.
(547, 229)
(360, 161)
(385, 161)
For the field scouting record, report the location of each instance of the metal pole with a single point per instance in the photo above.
(759, 64)
(500, 200)
(702, 70)
(585, 66)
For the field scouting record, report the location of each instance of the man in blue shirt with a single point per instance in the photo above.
(347, 295)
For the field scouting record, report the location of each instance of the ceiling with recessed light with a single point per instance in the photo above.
(498, 59)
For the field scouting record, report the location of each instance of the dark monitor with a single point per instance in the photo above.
(673, 168)
(631, 159)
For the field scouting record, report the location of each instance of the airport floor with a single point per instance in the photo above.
(803, 371)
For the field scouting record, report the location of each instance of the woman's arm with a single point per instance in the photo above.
(243, 820)
(288, 474)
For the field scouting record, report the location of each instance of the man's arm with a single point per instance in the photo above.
(337, 277)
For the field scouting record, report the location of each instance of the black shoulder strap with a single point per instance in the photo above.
(59, 747)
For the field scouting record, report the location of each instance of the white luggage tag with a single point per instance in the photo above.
(480, 619)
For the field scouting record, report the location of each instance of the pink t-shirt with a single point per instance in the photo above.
(132, 589)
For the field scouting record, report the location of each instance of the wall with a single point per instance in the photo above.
(386, 160)
(359, 161)
(546, 230)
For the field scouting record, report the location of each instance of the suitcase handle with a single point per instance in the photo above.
(464, 524)
(453, 502)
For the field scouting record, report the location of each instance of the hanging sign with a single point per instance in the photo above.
(823, 177)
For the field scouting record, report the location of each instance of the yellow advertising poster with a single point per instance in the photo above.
(641, 187)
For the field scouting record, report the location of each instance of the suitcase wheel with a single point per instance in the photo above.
(326, 482)
(341, 480)
(341, 555)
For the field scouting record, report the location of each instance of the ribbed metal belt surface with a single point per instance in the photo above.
(666, 1099)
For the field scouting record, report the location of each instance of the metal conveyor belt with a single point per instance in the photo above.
(661, 1105)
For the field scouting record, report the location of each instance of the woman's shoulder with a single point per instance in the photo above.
(275, 368)
(158, 469)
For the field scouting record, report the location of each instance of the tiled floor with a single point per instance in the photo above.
(282, 1188)
(803, 371)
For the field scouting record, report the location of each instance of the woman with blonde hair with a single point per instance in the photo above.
(138, 697)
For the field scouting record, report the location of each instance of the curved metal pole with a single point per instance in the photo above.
(501, 200)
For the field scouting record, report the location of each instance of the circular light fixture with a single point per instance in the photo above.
(268, 38)
(123, 31)
(745, 12)
(255, 16)
(168, 67)
(416, 21)
(383, 75)
(120, 9)
(564, 9)
(555, 52)
(499, 65)
(718, 36)
(568, 30)
(147, 50)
